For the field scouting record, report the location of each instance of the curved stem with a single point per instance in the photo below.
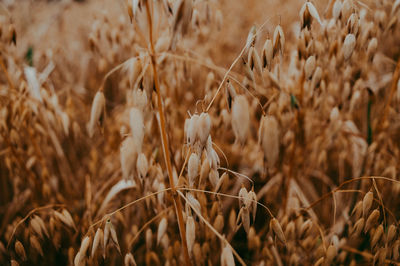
(177, 200)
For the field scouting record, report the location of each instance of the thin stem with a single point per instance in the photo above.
(129, 204)
(147, 224)
(177, 201)
(228, 196)
(232, 65)
(28, 215)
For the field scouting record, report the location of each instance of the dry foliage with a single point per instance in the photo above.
(144, 149)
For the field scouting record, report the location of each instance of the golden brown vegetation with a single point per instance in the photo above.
(144, 149)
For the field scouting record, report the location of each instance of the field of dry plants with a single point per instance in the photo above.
(200, 132)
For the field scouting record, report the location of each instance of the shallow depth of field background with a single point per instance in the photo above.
(333, 189)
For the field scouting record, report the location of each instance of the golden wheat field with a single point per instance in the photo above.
(199, 132)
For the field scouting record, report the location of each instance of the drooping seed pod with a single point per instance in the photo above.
(96, 112)
(348, 46)
(194, 202)
(278, 40)
(372, 48)
(243, 198)
(139, 99)
(277, 230)
(227, 258)
(142, 165)
(337, 9)
(309, 67)
(308, 12)
(137, 127)
(396, 253)
(316, 78)
(244, 216)
(395, 7)
(372, 220)
(305, 228)
(347, 9)
(98, 237)
(84, 246)
(213, 177)
(353, 24)
(203, 128)
(267, 54)
(34, 224)
(240, 118)
(193, 169)
(269, 139)
(149, 239)
(253, 199)
(190, 233)
(251, 37)
(114, 237)
(67, 220)
(42, 225)
(128, 155)
(392, 233)
(254, 61)
(19, 249)
(358, 227)
(191, 129)
(162, 228)
(129, 260)
(331, 253)
(221, 181)
(367, 203)
(219, 223)
(35, 244)
(377, 236)
(107, 229)
(290, 230)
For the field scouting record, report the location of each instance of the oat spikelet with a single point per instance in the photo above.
(253, 198)
(348, 46)
(372, 220)
(33, 240)
(19, 249)
(227, 258)
(190, 233)
(331, 253)
(277, 230)
(267, 54)
(392, 233)
(240, 118)
(308, 12)
(142, 165)
(193, 169)
(367, 203)
(309, 67)
(377, 235)
(358, 227)
(129, 260)
(162, 228)
(128, 155)
(279, 40)
(269, 139)
(204, 127)
(98, 237)
(137, 127)
(96, 112)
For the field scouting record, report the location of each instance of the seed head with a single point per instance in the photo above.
(277, 230)
(240, 118)
(348, 46)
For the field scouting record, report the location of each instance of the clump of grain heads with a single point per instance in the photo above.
(177, 173)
